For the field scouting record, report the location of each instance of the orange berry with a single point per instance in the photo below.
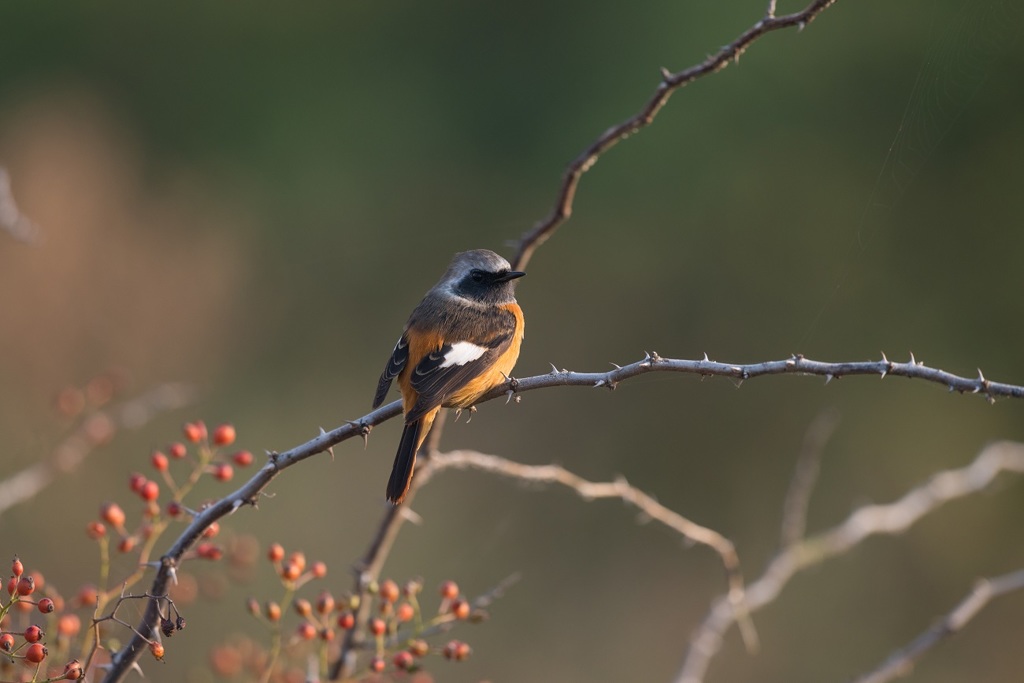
(377, 665)
(12, 585)
(87, 595)
(45, 606)
(346, 620)
(69, 625)
(159, 461)
(462, 651)
(6, 642)
(327, 635)
(212, 530)
(194, 431)
(242, 458)
(150, 491)
(35, 653)
(298, 559)
(389, 591)
(460, 608)
(95, 530)
(177, 450)
(449, 590)
(273, 611)
(403, 660)
(112, 514)
(303, 607)
(325, 603)
(306, 631)
(223, 471)
(224, 435)
(17, 568)
(378, 626)
(275, 552)
(157, 648)
(319, 569)
(419, 647)
(126, 545)
(405, 612)
(34, 634)
(290, 571)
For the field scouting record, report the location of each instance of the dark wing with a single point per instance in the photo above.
(443, 372)
(399, 357)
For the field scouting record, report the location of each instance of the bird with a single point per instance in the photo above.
(461, 341)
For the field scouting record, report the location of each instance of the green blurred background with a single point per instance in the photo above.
(252, 198)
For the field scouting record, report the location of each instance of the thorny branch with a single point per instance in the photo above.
(251, 491)
(900, 662)
(864, 522)
(670, 82)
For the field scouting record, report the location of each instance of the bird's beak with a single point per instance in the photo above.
(510, 275)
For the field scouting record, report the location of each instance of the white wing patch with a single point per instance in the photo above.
(461, 353)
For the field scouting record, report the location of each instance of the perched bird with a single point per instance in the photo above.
(460, 342)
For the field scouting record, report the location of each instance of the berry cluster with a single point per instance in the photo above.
(29, 597)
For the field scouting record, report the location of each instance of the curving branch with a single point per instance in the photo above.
(863, 523)
(670, 82)
(619, 489)
(900, 662)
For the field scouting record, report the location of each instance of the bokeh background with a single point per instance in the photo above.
(251, 198)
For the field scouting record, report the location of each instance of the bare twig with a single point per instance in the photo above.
(900, 663)
(12, 220)
(798, 497)
(95, 430)
(670, 82)
(870, 520)
(620, 489)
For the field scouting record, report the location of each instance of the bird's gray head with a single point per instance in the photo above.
(480, 276)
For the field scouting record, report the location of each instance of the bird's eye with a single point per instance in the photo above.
(477, 275)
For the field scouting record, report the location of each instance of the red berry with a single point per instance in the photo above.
(378, 627)
(346, 620)
(159, 461)
(6, 642)
(306, 631)
(449, 590)
(135, 481)
(290, 571)
(224, 435)
(45, 606)
(150, 491)
(17, 568)
(95, 530)
(377, 665)
(403, 660)
(209, 551)
(389, 591)
(275, 552)
(462, 651)
(242, 458)
(112, 514)
(460, 608)
(174, 508)
(34, 634)
(327, 635)
(26, 585)
(87, 596)
(126, 544)
(194, 431)
(35, 653)
(212, 530)
(319, 569)
(177, 450)
(303, 608)
(223, 471)
(12, 585)
(298, 559)
(73, 670)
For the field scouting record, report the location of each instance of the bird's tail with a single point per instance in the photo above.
(405, 461)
